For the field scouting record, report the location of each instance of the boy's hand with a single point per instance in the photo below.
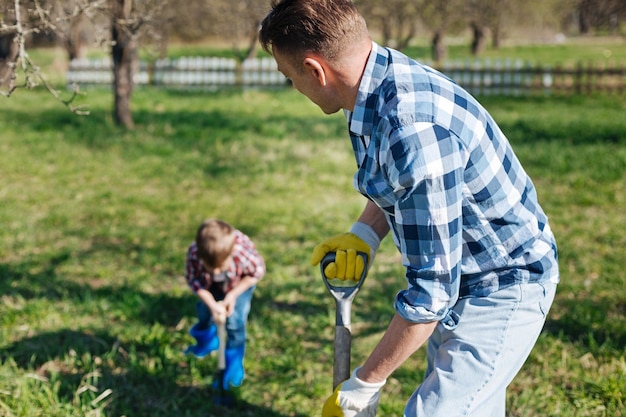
(229, 303)
(219, 312)
(353, 398)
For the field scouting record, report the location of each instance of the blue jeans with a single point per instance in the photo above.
(235, 324)
(478, 350)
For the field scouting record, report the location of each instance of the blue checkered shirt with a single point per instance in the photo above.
(462, 210)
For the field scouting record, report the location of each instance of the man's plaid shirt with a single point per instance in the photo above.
(462, 210)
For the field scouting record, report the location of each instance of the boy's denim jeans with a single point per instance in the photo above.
(473, 357)
(235, 324)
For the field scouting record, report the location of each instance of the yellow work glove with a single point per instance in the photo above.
(353, 398)
(348, 265)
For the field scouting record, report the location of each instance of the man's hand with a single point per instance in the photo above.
(348, 265)
(353, 398)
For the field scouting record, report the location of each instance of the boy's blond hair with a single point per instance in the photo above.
(215, 240)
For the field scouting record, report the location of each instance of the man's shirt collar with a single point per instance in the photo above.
(360, 120)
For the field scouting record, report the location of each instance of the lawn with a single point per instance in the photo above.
(96, 221)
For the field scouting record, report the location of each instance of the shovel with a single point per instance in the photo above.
(343, 292)
(221, 396)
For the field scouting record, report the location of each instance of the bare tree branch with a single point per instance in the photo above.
(23, 66)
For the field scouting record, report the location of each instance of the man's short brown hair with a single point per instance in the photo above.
(324, 27)
(215, 240)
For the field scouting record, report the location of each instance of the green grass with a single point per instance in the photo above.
(95, 221)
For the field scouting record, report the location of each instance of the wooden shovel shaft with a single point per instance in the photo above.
(220, 398)
(221, 353)
(341, 366)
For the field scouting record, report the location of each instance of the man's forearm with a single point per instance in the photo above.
(373, 216)
(400, 341)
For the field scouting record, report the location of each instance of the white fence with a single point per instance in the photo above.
(501, 77)
(89, 72)
(186, 72)
(508, 77)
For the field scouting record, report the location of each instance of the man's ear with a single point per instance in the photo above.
(316, 69)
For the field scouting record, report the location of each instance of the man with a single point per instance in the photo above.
(480, 258)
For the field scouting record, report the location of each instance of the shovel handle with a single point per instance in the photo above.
(348, 286)
(343, 295)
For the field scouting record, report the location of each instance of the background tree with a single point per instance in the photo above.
(487, 17)
(124, 55)
(236, 22)
(397, 20)
(442, 17)
(240, 23)
(74, 24)
(20, 21)
(126, 20)
(131, 22)
(16, 68)
(8, 45)
(8, 53)
(600, 15)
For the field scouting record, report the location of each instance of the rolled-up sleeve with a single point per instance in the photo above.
(425, 170)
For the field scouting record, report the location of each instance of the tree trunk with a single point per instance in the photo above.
(75, 39)
(439, 49)
(496, 37)
(386, 32)
(584, 20)
(479, 38)
(8, 53)
(254, 42)
(403, 41)
(124, 52)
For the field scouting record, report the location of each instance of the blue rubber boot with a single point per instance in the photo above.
(234, 366)
(206, 341)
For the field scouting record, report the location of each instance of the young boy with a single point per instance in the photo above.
(222, 268)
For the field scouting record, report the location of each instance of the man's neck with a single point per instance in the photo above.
(349, 72)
